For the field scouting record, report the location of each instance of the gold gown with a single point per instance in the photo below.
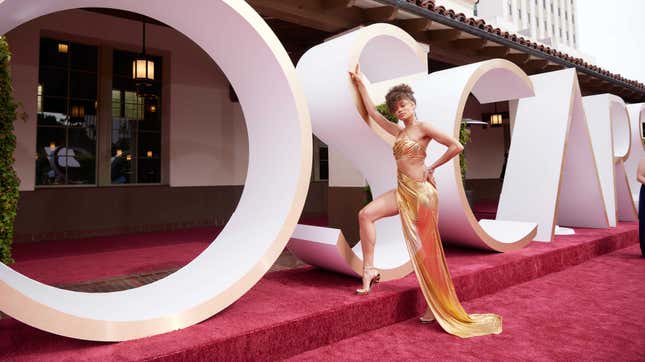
(418, 204)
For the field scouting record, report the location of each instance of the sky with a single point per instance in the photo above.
(613, 32)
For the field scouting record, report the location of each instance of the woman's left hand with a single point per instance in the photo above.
(430, 178)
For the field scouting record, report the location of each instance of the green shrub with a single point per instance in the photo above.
(8, 178)
(382, 109)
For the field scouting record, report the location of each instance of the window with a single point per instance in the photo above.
(323, 157)
(136, 125)
(66, 121)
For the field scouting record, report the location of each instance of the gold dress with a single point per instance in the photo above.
(418, 204)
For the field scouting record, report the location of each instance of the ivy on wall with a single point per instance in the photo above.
(8, 178)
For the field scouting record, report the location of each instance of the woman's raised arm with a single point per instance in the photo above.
(357, 80)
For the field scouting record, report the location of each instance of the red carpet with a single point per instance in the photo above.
(593, 311)
(63, 262)
(291, 312)
(73, 261)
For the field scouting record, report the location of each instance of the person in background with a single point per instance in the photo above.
(641, 204)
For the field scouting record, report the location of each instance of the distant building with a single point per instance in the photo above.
(550, 22)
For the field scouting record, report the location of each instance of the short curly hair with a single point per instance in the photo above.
(398, 92)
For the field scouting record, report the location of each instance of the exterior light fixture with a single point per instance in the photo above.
(495, 119)
(128, 157)
(63, 48)
(143, 70)
(149, 154)
(52, 146)
(119, 152)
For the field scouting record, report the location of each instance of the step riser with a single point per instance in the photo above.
(380, 309)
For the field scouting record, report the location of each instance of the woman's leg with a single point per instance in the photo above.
(382, 206)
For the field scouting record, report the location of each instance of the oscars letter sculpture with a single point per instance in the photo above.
(268, 209)
(388, 56)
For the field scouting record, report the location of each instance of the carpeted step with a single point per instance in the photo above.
(592, 311)
(290, 312)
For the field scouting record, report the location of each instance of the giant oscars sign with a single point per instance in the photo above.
(565, 166)
(255, 62)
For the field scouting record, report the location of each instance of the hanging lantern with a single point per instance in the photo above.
(143, 70)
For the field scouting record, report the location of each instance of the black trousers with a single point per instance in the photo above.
(641, 218)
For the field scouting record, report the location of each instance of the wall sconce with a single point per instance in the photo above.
(495, 119)
(119, 153)
(152, 108)
(63, 48)
(149, 154)
(128, 157)
(52, 146)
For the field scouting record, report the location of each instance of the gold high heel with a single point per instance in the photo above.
(374, 279)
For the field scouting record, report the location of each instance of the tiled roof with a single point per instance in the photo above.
(481, 24)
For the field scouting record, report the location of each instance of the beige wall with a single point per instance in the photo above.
(485, 152)
(208, 143)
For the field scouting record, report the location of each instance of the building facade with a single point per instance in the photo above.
(550, 22)
(96, 158)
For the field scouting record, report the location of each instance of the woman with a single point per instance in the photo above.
(416, 200)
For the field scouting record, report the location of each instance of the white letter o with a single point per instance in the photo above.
(279, 132)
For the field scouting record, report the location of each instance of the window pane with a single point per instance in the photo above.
(149, 170)
(152, 117)
(82, 85)
(116, 103)
(83, 57)
(49, 141)
(136, 124)
(122, 152)
(54, 112)
(50, 55)
(149, 142)
(66, 133)
(323, 157)
(53, 82)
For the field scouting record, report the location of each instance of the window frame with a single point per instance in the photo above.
(104, 108)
